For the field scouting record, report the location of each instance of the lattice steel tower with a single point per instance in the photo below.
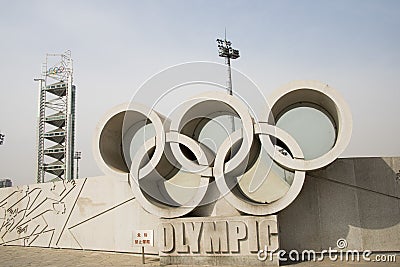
(56, 119)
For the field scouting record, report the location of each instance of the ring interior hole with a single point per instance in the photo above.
(110, 144)
(305, 97)
(281, 146)
(168, 185)
(147, 158)
(232, 182)
(312, 128)
(201, 113)
(188, 153)
(136, 136)
(213, 131)
(233, 150)
(174, 189)
(265, 181)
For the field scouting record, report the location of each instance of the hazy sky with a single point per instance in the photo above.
(117, 45)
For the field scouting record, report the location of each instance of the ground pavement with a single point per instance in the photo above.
(12, 256)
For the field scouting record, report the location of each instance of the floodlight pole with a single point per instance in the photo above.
(229, 82)
(225, 50)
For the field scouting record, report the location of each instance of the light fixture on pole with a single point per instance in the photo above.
(77, 156)
(225, 50)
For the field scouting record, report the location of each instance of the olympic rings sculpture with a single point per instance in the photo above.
(56, 70)
(174, 148)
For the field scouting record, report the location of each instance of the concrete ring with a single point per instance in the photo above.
(318, 94)
(242, 203)
(113, 135)
(193, 114)
(149, 189)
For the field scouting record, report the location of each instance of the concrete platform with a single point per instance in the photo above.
(34, 257)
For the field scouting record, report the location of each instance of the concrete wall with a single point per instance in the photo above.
(356, 198)
(98, 213)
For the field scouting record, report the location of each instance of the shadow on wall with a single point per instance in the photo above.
(356, 198)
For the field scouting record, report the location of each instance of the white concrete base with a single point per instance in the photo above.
(355, 199)
(218, 240)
